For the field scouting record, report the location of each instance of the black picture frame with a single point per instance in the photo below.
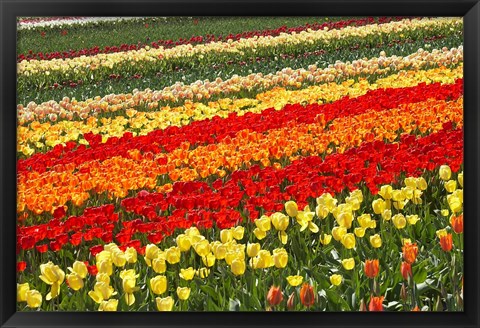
(469, 9)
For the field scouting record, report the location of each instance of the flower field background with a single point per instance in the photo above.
(240, 164)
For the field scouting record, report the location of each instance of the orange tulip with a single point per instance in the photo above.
(410, 252)
(415, 309)
(457, 223)
(274, 296)
(446, 242)
(307, 295)
(371, 268)
(376, 303)
(406, 270)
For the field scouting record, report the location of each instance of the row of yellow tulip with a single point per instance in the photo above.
(43, 136)
(72, 109)
(41, 192)
(146, 55)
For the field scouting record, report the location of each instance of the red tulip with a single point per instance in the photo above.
(371, 268)
(410, 252)
(457, 223)
(22, 265)
(446, 242)
(274, 296)
(307, 295)
(406, 270)
(376, 303)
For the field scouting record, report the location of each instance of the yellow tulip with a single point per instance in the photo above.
(187, 274)
(119, 258)
(454, 203)
(294, 280)
(345, 219)
(253, 249)
(238, 266)
(450, 186)
(22, 290)
(238, 232)
(359, 232)
(103, 277)
(338, 233)
(158, 284)
(411, 182)
(226, 235)
(280, 258)
(422, 183)
(379, 206)
(291, 208)
(183, 242)
(203, 272)
(192, 231)
(33, 298)
(164, 304)
(386, 192)
(376, 241)
(283, 236)
(398, 195)
(280, 221)
(348, 264)
(159, 264)
(260, 234)
(101, 291)
(209, 260)
(322, 211)
(445, 212)
(387, 215)
(445, 172)
(110, 305)
(52, 275)
(263, 223)
(219, 250)
(172, 255)
(105, 266)
(327, 200)
(399, 221)
(336, 279)
(151, 252)
(325, 239)
(75, 282)
(442, 233)
(412, 219)
(183, 293)
(79, 268)
(131, 255)
(348, 240)
(460, 179)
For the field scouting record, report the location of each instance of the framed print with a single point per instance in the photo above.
(220, 163)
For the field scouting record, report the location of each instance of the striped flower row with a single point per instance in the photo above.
(88, 65)
(117, 175)
(32, 24)
(72, 109)
(44, 136)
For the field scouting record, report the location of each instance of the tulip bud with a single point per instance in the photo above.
(253, 249)
(348, 264)
(403, 293)
(336, 279)
(376, 241)
(226, 235)
(291, 301)
(274, 296)
(238, 266)
(363, 306)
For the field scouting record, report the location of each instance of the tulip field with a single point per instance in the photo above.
(240, 164)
